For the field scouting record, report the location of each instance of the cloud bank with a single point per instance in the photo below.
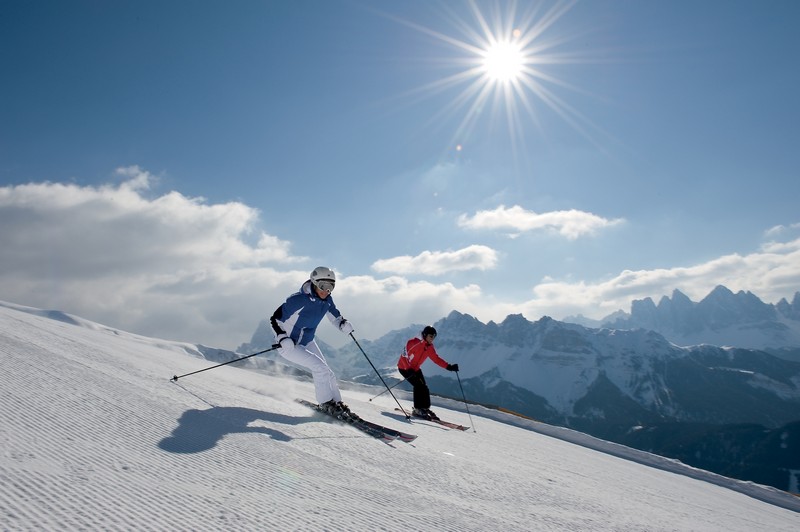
(179, 268)
(170, 266)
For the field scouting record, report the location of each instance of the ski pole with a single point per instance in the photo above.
(384, 391)
(465, 402)
(379, 376)
(176, 377)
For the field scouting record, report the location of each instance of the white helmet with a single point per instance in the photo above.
(323, 278)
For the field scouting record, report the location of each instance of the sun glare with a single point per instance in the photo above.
(503, 61)
(503, 71)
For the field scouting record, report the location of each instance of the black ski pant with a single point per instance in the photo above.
(422, 395)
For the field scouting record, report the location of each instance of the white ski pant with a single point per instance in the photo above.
(310, 357)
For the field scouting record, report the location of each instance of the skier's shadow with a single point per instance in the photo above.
(200, 430)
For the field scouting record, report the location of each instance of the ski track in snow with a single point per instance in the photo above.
(96, 437)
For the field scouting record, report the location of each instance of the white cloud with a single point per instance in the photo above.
(571, 224)
(440, 262)
(88, 228)
(377, 306)
(774, 231)
(175, 267)
(771, 274)
(170, 266)
(782, 230)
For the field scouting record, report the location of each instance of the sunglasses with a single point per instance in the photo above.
(326, 285)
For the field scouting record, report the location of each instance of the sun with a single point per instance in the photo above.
(503, 61)
(503, 69)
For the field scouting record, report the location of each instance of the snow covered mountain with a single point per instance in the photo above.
(721, 318)
(96, 437)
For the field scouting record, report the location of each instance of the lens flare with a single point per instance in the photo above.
(503, 70)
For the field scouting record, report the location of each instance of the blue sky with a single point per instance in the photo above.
(177, 168)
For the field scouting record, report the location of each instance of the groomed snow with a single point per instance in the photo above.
(95, 436)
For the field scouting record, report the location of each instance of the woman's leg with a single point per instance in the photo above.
(310, 357)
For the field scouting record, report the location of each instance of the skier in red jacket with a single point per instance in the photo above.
(416, 352)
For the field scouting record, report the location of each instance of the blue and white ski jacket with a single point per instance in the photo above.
(300, 315)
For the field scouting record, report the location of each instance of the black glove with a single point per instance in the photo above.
(452, 367)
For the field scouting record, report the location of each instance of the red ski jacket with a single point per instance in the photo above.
(416, 352)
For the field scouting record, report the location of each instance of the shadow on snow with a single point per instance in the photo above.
(200, 430)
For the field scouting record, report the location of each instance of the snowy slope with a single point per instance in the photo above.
(95, 436)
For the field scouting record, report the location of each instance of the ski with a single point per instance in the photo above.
(406, 437)
(376, 431)
(447, 424)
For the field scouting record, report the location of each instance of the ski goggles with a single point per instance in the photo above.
(326, 285)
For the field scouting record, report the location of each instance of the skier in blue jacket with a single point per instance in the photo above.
(295, 324)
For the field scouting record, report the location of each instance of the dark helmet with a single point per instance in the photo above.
(428, 330)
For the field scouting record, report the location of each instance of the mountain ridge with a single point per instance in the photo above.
(721, 318)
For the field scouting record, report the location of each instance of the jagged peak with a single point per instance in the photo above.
(680, 297)
(719, 292)
(514, 318)
(459, 317)
(742, 316)
(454, 314)
(723, 296)
(453, 317)
(791, 311)
(643, 304)
(616, 315)
(459, 321)
(678, 294)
